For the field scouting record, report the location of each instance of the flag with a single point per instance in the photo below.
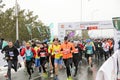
(116, 22)
(39, 29)
(51, 26)
(29, 29)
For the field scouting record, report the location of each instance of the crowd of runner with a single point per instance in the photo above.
(67, 54)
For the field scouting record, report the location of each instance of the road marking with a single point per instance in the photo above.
(35, 77)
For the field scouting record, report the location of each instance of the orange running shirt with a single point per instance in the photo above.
(67, 50)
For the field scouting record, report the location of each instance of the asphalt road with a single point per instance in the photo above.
(83, 73)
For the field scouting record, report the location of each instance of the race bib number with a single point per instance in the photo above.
(28, 53)
(66, 51)
(42, 54)
(11, 53)
(76, 51)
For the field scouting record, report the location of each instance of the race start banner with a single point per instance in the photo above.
(116, 24)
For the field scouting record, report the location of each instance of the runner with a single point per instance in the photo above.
(106, 47)
(96, 52)
(46, 48)
(11, 56)
(37, 58)
(67, 49)
(80, 44)
(89, 52)
(33, 43)
(21, 47)
(29, 53)
(17, 44)
(76, 56)
(100, 50)
(52, 58)
(42, 53)
(111, 46)
(58, 56)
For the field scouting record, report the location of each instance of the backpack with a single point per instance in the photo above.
(28, 54)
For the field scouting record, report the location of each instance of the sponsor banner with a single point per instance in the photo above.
(116, 23)
(93, 25)
(106, 25)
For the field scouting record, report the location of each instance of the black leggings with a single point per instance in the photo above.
(68, 63)
(110, 50)
(76, 59)
(101, 52)
(11, 64)
(43, 61)
(29, 66)
(106, 55)
(52, 61)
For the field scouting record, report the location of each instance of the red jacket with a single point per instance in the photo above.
(23, 52)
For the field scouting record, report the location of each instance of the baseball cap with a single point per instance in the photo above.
(88, 40)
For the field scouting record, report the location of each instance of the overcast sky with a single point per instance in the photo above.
(70, 10)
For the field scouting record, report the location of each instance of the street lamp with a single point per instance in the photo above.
(16, 11)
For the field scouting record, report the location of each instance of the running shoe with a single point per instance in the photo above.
(45, 75)
(69, 78)
(39, 73)
(19, 66)
(75, 74)
(30, 77)
(52, 75)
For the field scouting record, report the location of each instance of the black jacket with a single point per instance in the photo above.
(9, 50)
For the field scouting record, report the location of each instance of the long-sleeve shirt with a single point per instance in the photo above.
(11, 52)
(24, 51)
(67, 50)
